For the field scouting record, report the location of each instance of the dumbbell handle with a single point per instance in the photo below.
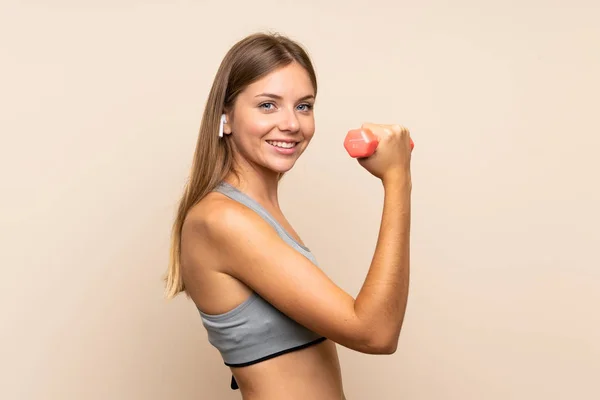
(361, 143)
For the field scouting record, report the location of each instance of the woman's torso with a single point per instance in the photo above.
(312, 372)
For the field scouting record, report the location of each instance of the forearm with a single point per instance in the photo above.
(381, 302)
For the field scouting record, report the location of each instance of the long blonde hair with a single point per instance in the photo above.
(246, 62)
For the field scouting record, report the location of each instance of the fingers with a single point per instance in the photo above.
(400, 129)
(372, 127)
(386, 129)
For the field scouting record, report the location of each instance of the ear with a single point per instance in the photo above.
(222, 124)
(226, 123)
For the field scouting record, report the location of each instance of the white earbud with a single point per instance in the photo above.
(221, 125)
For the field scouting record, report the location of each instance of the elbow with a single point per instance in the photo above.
(388, 347)
(376, 337)
(383, 343)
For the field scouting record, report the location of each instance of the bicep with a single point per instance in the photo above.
(252, 252)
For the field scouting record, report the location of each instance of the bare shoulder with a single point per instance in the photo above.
(206, 216)
(197, 226)
(213, 223)
(212, 289)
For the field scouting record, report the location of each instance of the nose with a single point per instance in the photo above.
(289, 121)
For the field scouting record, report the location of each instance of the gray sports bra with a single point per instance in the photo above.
(255, 331)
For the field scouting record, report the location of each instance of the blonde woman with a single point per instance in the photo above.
(268, 308)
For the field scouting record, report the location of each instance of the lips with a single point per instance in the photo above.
(282, 144)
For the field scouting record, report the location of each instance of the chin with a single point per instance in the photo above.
(281, 166)
(284, 162)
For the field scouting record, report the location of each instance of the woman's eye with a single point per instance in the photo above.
(306, 107)
(264, 105)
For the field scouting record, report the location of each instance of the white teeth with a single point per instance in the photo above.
(285, 145)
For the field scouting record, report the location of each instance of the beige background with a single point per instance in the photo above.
(100, 106)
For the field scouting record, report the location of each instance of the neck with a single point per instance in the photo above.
(259, 183)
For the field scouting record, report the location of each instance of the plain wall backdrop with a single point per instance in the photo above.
(100, 104)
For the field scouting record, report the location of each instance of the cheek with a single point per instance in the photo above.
(257, 127)
(308, 129)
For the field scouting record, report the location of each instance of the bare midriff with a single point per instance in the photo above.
(311, 373)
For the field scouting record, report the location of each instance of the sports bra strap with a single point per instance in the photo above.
(235, 194)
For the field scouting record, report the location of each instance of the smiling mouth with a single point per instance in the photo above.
(283, 145)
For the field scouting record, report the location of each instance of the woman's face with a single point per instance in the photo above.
(272, 120)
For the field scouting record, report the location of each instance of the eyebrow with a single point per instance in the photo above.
(278, 97)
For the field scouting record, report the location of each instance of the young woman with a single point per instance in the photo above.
(272, 313)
